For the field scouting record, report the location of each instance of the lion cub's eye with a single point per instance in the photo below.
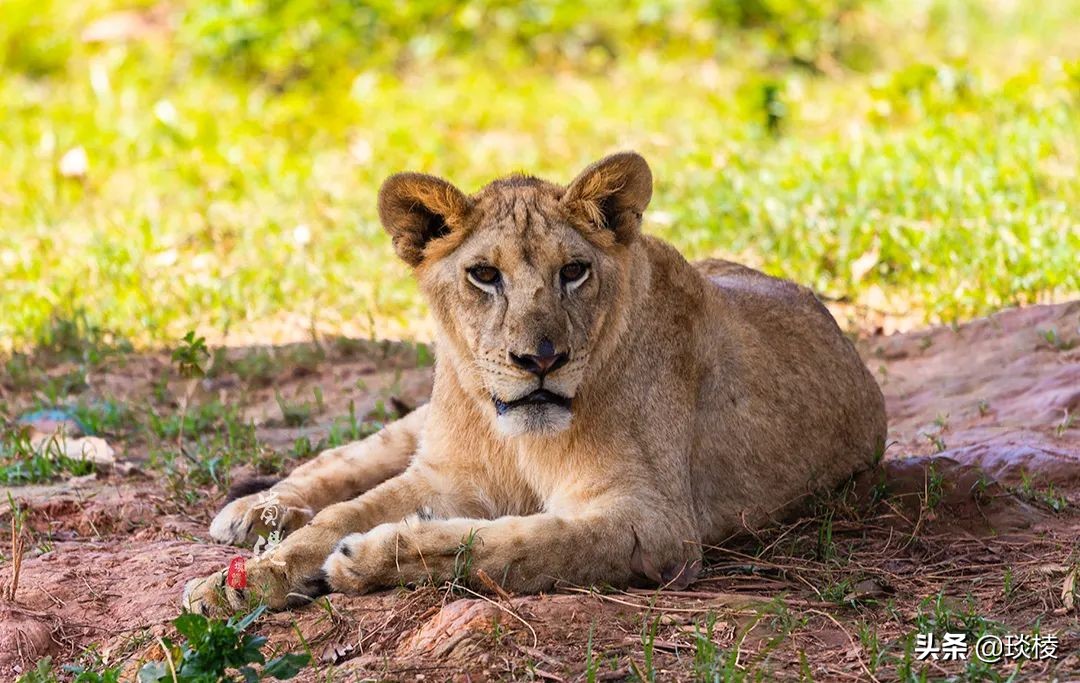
(484, 277)
(573, 274)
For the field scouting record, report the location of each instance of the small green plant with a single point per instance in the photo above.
(425, 357)
(303, 359)
(1051, 337)
(838, 591)
(41, 673)
(826, 548)
(189, 356)
(103, 418)
(871, 645)
(1009, 584)
(1048, 497)
(712, 664)
(906, 667)
(293, 414)
(348, 429)
(934, 491)
(773, 108)
(805, 674)
(592, 663)
(646, 673)
(110, 675)
(880, 491)
(893, 611)
(939, 443)
(463, 559)
(342, 431)
(1053, 500)
(497, 632)
(781, 618)
(979, 671)
(941, 614)
(302, 448)
(219, 651)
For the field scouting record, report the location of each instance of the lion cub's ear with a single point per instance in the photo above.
(612, 194)
(416, 208)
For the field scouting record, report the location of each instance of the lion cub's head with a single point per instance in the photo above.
(526, 279)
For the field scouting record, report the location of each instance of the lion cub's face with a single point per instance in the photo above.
(523, 296)
(524, 278)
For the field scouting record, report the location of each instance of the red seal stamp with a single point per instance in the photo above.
(237, 576)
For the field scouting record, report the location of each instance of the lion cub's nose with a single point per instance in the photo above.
(545, 360)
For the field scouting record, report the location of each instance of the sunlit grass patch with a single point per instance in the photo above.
(942, 183)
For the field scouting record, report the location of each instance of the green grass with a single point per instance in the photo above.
(43, 672)
(23, 463)
(1048, 497)
(937, 177)
(216, 439)
(711, 663)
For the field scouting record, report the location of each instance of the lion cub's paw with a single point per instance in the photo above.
(212, 597)
(244, 520)
(263, 584)
(353, 565)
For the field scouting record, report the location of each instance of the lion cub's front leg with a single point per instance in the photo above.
(334, 475)
(291, 573)
(523, 554)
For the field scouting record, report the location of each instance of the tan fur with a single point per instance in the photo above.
(705, 399)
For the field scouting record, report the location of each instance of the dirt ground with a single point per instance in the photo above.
(970, 524)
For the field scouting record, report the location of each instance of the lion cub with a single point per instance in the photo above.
(601, 408)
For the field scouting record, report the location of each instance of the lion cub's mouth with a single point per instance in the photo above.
(538, 397)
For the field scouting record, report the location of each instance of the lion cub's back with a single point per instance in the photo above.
(790, 408)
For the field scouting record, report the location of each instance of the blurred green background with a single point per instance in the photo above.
(214, 165)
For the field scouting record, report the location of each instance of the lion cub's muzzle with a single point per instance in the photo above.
(545, 408)
(538, 412)
(538, 397)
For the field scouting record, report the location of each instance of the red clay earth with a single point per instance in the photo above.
(976, 501)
